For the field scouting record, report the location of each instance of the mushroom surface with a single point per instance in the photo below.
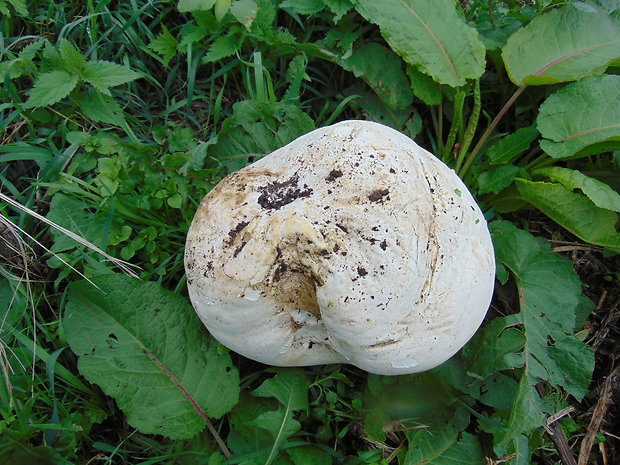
(352, 245)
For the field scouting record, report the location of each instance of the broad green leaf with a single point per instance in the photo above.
(245, 412)
(165, 44)
(497, 179)
(429, 34)
(562, 45)
(573, 211)
(71, 57)
(522, 450)
(499, 391)
(244, 11)
(101, 108)
(549, 296)
(50, 88)
(103, 74)
(597, 102)
(146, 347)
(303, 7)
(598, 192)
(511, 146)
(388, 80)
(495, 347)
(279, 423)
(424, 87)
(526, 412)
(195, 5)
(442, 446)
(290, 387)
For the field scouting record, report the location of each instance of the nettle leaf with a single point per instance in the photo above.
(388, 80)
(339, 8)
(549, 297)
(511, 146)
(573, 211)
(222, 47)
(50, 88)
(165, 45)
(145, 346)
(72, 58)
(19, 5)
(258, 128)
(24, 64)
(103, 74)
(600, 193)
(597, 102)
(436, 38)
(101, 108)
(577, 43)
(303, 7)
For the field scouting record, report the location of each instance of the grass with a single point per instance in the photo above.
(106, 176)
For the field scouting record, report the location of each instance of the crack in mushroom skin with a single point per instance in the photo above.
(349, 245)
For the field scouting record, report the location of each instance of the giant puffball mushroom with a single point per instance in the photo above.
(352, 245)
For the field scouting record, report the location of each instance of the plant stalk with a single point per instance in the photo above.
(489, 131)
(457, 123)
(472, 125)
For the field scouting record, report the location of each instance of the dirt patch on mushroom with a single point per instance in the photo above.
(379, 195)
(277, 194)
(291, 284)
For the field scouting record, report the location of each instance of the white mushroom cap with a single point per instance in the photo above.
(351, 244)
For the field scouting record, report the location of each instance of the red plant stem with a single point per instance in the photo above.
(192, 401)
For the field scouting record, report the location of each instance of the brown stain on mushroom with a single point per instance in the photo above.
(379, 345)
(292, 289)
(276, 194)
(234, 189)
(291, 283)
